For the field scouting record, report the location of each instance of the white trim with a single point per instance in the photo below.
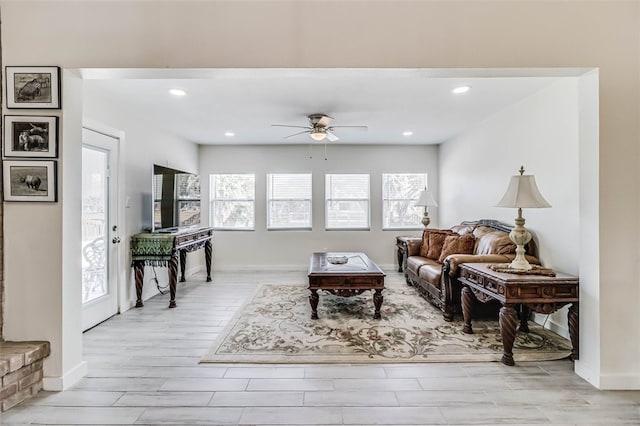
(620, 382)
(99, 127)
(551, 325)
(66, 381)
(284, 268)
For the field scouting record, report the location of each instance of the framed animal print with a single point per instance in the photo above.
(30, 181)
(30, 136)
(33, 87)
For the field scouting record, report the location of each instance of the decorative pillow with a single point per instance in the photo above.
(457, 244)
(424, 247)
(496, 242)
(436, 241)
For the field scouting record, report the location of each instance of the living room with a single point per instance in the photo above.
(573, 172)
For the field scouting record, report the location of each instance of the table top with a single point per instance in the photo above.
(483, 269)
(357, 264)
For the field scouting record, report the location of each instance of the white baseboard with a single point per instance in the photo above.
(69, 379)
(551, 325)
(620, 382)
(283, 268)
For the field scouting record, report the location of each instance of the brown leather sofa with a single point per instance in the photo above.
(431, 262)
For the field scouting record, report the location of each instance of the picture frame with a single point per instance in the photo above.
(34, 181)
(33, 87)
(30, 136)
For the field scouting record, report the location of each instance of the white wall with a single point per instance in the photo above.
(291, 249)
(143, 146)
(541, 133)
(429, 34)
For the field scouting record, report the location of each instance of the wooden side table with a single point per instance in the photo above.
(542, 294)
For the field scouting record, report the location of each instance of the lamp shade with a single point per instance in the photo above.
(523, 193)
(425, 199)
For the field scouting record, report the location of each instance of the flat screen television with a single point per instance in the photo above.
(176, 199)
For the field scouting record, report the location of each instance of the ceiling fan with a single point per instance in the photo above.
(319, 128)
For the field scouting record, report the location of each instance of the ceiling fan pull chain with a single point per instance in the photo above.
(325, 150)
(310, 152)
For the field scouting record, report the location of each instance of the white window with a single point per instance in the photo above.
(289, 201)
(347, 201)
(399, 194)
(233, 201)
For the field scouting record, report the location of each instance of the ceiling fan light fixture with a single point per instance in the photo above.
(318, 135)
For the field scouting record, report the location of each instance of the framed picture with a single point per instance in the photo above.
(30, 136)
(30, 181)
(33, 87)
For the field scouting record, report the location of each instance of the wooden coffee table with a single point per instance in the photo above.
(357, 275)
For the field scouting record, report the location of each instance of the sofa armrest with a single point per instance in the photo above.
(413, 246)
(454, 260)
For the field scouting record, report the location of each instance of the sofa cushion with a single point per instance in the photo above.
(495, 242)
(457, 244)
(414, 263)
(431, 272)
(436, 241)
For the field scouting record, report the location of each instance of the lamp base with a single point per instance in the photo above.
(520, 263)
(520, 236)
(425, 219)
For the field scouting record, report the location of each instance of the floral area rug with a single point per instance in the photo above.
(275, 327)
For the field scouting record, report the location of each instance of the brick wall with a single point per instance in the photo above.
(21, 371)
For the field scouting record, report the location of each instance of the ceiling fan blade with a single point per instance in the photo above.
(296, 134)
(287, 125)
(352, 127)
(331, 137)
(324, 121)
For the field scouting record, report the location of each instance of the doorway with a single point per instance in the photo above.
(100, 231)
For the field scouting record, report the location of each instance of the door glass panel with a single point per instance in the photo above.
(94, 224)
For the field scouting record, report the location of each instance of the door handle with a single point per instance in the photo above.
(115, 240)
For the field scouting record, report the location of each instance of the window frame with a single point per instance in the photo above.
(213, 200)
(269, 199)
(383, 212)
(327, 201)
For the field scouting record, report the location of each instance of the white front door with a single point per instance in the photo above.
(100, 233)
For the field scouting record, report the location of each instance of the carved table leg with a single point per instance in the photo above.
(183, 264)
(377, 302)
(173, 278)
(508, 323)
(138, 269)
(524, 317)
(574, 330)
(313, 300)
(208, 249)
(468, 300)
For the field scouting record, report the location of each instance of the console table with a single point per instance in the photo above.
(164, 249)
(543, 294)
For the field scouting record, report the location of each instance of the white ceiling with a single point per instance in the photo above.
(248, 101)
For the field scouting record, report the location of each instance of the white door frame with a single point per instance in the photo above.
(122, 248)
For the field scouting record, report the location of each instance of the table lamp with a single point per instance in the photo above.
(425, 199)
(522, 192)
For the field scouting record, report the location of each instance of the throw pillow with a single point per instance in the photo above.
(424, 247)
(457, 244)
(436, 241)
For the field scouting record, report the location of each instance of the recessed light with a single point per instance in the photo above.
(229, 134)
(407, 133)
(461, 89)
(177, 92)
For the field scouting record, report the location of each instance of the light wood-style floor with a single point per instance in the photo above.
(143, 369)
